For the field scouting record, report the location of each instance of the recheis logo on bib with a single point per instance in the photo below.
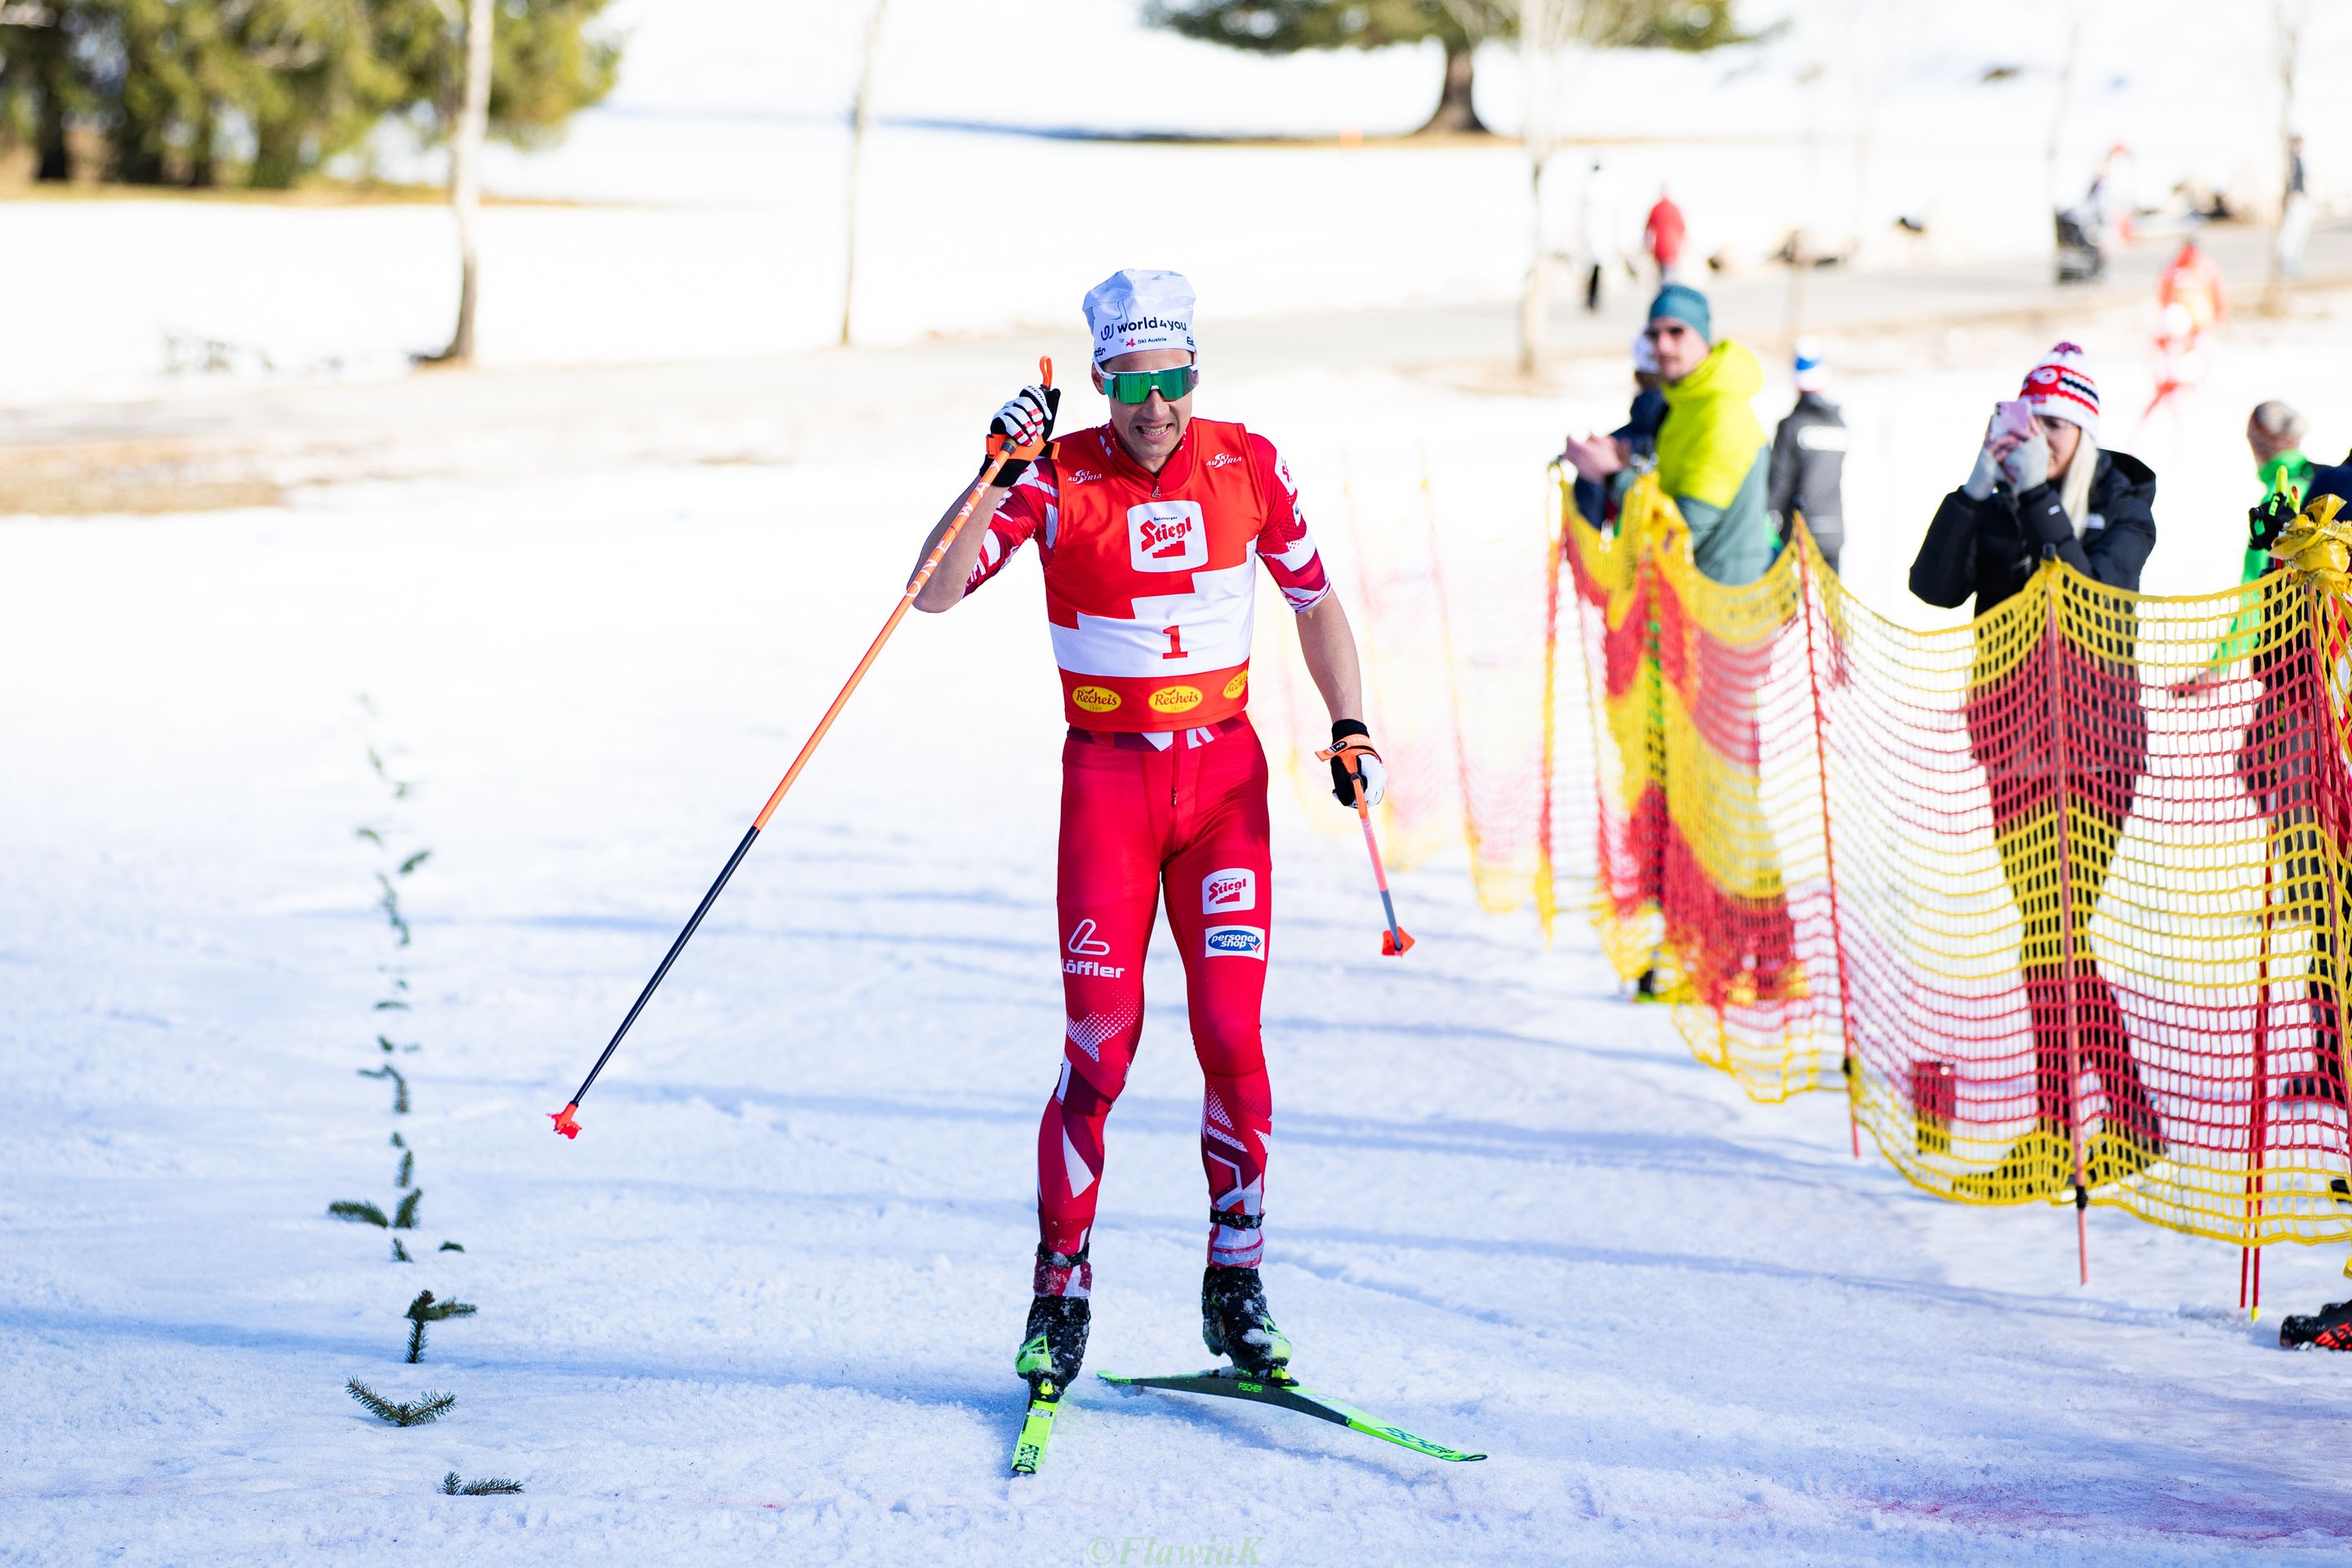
(1175, 698)
(1094, 699)
(1167, 536)
(1235, 941)
(1229, 892)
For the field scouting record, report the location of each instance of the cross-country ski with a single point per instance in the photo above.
(1280, 1392)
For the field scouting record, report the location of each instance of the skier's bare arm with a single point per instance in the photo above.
(946, 588)
(1328, 645)
(1026, 423)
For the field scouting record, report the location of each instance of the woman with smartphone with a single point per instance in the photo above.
(2042, 490)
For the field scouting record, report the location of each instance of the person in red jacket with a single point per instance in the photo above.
(1663, 235)
(1150, 529)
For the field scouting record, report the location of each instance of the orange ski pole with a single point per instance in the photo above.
(1394, 943)
(1001, 450)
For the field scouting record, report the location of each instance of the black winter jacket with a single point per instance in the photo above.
(1988, 548)
(1808, 460)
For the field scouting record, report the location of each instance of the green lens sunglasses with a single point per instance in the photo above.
(1137, 385)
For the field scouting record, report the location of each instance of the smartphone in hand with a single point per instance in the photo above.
(2014, 417)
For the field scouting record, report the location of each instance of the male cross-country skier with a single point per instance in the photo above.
(1150, 529)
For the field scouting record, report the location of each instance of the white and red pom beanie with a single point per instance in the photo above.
(2062, 388)
(1138, 308)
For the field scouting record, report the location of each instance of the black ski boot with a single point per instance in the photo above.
(1054, 1341)
(1235, 1321)
(2330, 1327)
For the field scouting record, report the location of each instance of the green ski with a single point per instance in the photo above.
(1037, 1429)
(1281, 1392)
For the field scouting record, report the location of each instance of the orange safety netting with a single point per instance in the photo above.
(2056, 895)
(1454, 621)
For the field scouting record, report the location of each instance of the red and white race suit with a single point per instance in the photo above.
(1150, 584)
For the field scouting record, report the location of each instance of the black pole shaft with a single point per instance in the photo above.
(669, 958)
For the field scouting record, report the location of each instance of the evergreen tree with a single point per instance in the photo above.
(1286, 26)
(194, 91)
(43, 85)
(547, 63)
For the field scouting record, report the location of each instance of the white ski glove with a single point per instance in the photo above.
(1026, 420)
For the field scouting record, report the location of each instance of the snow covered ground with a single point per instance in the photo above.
(764, 1308)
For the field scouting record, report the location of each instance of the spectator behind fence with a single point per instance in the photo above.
(1809, 459)
(2043, 490)
(1663, 235)
(1712, 455)
(1636, 439)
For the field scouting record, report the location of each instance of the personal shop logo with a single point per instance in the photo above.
(1235, 941)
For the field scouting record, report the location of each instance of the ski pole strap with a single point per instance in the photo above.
(1349, 748)
(1236, 1220)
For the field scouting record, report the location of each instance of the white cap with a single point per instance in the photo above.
(1812, 372)
(1136, 309)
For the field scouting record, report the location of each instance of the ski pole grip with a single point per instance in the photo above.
(1001, 447)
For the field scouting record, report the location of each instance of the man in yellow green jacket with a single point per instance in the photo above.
(1713, 456)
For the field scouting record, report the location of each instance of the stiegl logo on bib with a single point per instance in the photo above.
(1235, 941)
(1229, 892)
(1167, 536)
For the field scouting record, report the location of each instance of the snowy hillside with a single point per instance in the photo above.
(767, 1304)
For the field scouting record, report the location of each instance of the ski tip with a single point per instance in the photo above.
(1396, 943)
(566, 1119)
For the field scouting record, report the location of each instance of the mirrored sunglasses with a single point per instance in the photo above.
(1137, 385)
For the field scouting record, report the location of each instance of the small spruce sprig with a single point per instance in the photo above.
(487, 1486)
(426, 1310)
(359, 1213)
(399, 1086)
(423, 1411)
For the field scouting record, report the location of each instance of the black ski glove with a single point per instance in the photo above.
(2265, 522)
(1350, 737)
(1027, 421)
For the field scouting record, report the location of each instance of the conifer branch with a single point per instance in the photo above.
(426, 1310)
(399, 1086)
(400, 1253)
(452, 1486)
(362, 1214)
(427, 1407)
(407, 1166)
(405, 1217)
(451, 1246)
(414, 860)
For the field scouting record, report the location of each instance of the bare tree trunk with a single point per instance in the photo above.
(50, 53)
(2287, 18)
(466, 177)
(861, 114)
(1535, 295)
(1456, 111)
(2074, 20)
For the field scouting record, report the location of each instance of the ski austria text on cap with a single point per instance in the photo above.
(1136, 309)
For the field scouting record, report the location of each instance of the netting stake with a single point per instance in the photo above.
(2257, 1103)
(1453, 673)
(2053, 640)
(1809, 598)
(1555, 548)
